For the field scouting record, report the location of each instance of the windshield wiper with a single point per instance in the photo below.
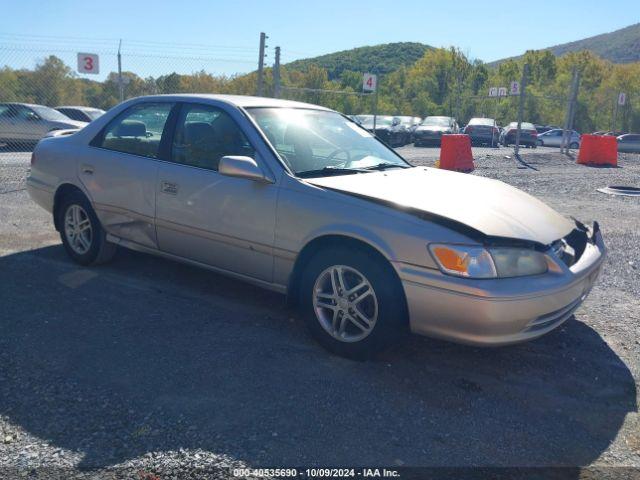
(385, 165)
(329, 170)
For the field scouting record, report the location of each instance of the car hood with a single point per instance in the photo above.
(488, 206)
(69, 124)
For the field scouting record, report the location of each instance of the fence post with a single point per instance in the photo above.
(276, 74)
(523, 85)
(260, 85)
(120, 83)
(568, 122)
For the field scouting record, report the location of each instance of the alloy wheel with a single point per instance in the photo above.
(77, 229)
(345, 303)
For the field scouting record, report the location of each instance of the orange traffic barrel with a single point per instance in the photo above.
(598, 150)
(455, 153)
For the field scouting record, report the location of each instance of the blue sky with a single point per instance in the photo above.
(222, 36)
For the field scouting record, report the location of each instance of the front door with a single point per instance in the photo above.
(120, 173)
(225, 222)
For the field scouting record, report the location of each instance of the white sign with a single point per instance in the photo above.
(514, 88)
(369, 82)
(88, 63)
(493, 92)
(622, 98)
(502, 92)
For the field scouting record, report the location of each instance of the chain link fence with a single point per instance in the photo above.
(39, 75)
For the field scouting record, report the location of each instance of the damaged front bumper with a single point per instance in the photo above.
(496, 312)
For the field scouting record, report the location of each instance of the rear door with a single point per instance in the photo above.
(28, 125)
(121, 170)
(222, 221)
(553, 138)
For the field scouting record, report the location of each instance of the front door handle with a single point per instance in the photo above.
(87, 169)
(169, 187)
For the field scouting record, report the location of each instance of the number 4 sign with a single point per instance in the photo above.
(622, 98)
(369, 82)
(88, 63)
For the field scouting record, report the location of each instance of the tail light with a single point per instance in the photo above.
(495, 130)
(467, 130)
(511, 131)
(534, 133)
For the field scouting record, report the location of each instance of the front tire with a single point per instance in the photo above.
(573, 145)
(352, 302)
(81, 233)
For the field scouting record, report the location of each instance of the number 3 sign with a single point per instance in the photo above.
(88, 63)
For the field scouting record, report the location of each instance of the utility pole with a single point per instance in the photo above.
(568, 123)
(120, 84)
(614, 121)
(276, 74)
(523, 86)
(375, 103)
(263, 38)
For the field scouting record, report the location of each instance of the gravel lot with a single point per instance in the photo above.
(146, 366)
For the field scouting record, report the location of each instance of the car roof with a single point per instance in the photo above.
(243, 101)
(24, 104)
(79, 107)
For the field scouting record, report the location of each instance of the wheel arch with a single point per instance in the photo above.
(333, 240)
(62, 191)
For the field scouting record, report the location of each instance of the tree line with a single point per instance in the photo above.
(441, 82)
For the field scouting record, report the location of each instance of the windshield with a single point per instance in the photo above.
(381, 121)
(523, 126)
(94, 113)
(482, 121)
(408, 121)
(47, 113)
(436, 121)
(312, 140)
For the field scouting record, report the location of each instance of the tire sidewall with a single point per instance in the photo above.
(97, 236)
(392, 318)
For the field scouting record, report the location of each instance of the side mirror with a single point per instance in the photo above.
(242, 167)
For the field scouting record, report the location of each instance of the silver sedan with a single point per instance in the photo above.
(301, 200)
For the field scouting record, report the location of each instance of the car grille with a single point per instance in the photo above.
(570, 248)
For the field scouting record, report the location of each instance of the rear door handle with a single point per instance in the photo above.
(87, 169)
(169, 187)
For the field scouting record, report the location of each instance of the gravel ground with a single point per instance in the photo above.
(145, 367)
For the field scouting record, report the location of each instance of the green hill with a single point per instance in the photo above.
(376, 59)
(620, 46)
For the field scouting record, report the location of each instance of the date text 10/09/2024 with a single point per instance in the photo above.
(316, 472)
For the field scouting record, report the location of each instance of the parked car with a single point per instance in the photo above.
(388, 129)
(431, 129)
(553, 138)
(528, 134)
(27, 123)
(410, 123)
(81, 114)
(301, 200)
(629, 142)
(483, 131)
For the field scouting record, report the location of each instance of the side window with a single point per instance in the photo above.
(204, 135)
(24, 113)
(138, 130)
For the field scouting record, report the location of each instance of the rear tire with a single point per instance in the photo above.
(81, 233)
(352, 322)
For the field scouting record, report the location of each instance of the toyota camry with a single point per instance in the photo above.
(299, 199)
